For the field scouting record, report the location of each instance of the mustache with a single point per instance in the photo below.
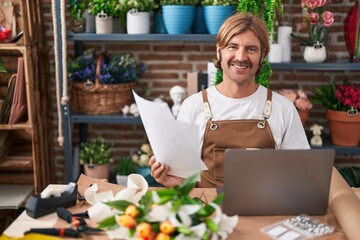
(242, 63)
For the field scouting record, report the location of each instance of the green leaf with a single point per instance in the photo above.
(119, 204)
(108, 223)
(211, 225)
(189, 184)
(2, 67)
(184, 230)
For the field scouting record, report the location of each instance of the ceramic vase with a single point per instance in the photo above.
(137, 22)
(315, 54)
(215, 16)
(104, 24)
(344, 129)
(178, 18)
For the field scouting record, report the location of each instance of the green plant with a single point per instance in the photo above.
(126, 166)
(102, 6)
(140, 5)
(269, 10)
(96, 152)
(219, 2)
(342, 97)
(77, 8)
(178, 2)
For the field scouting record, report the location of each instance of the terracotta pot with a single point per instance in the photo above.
(97, 171)
(304, 116)
(344, 129)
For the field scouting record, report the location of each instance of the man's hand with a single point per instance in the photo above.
(160, 173)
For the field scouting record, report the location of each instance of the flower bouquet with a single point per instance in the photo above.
(168, 214)
(317, 21)
(102, 84)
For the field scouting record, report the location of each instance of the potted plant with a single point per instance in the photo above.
(104, 11)
(125, 167)
(178, 15)
(77, 9)
(216, 11)
(300, 100)
(108, 78)
(95, 156)
(317, 20)
(342, 104)
(137, 15)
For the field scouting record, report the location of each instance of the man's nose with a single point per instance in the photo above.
(241, 54)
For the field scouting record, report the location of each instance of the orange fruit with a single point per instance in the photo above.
(132, 211)
(166, 227)
(162, 236)
(126, 221)
(144, 230)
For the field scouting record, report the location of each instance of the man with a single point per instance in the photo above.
(237, 113)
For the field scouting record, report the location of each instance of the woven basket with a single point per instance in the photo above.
(100, 98)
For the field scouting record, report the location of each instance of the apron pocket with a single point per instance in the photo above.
(218, 163)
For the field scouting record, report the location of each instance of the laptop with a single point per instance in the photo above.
(277, 182)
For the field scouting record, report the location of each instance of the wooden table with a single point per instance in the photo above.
(343, 213)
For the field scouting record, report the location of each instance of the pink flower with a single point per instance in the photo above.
(314, 18)
(298, 97)
(328, 18)
(349, 95)
(289, 94)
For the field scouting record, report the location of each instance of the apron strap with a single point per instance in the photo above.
(207, 110)
(267, 110)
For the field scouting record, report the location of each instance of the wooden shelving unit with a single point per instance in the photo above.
(28, 159)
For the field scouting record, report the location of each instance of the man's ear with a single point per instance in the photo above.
(217, 52)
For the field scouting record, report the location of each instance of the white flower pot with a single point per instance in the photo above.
(121, 179)
(275, 55)
(104, 24)
(138, 22)
(315, 55)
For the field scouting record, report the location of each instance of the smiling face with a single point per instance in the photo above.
(240, 59)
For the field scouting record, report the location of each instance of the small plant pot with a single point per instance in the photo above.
(121, 179)
(97, 171)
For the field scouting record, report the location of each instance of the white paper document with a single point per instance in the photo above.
(174, 143)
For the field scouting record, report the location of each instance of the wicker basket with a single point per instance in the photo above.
(100, 98)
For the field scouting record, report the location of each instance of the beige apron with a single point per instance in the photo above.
(220, 135)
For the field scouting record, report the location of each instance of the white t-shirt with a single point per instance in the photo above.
(284, 119)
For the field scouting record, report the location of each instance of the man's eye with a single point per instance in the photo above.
(231, 47)
(252, 50)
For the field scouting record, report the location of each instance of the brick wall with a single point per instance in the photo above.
(169, 62)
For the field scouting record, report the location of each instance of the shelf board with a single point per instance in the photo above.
(113, 118)
(17, 126)
(329, 66)
(124, 37)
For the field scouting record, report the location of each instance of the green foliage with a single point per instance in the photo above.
(140, 5)
(326, 95)
(126, 166)
(219, 2)
(268, 10)
(351, 174)
(262, 78)
(178, 2)
(102, 6)
(96, 151)
(2, 66)
(77, 8)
